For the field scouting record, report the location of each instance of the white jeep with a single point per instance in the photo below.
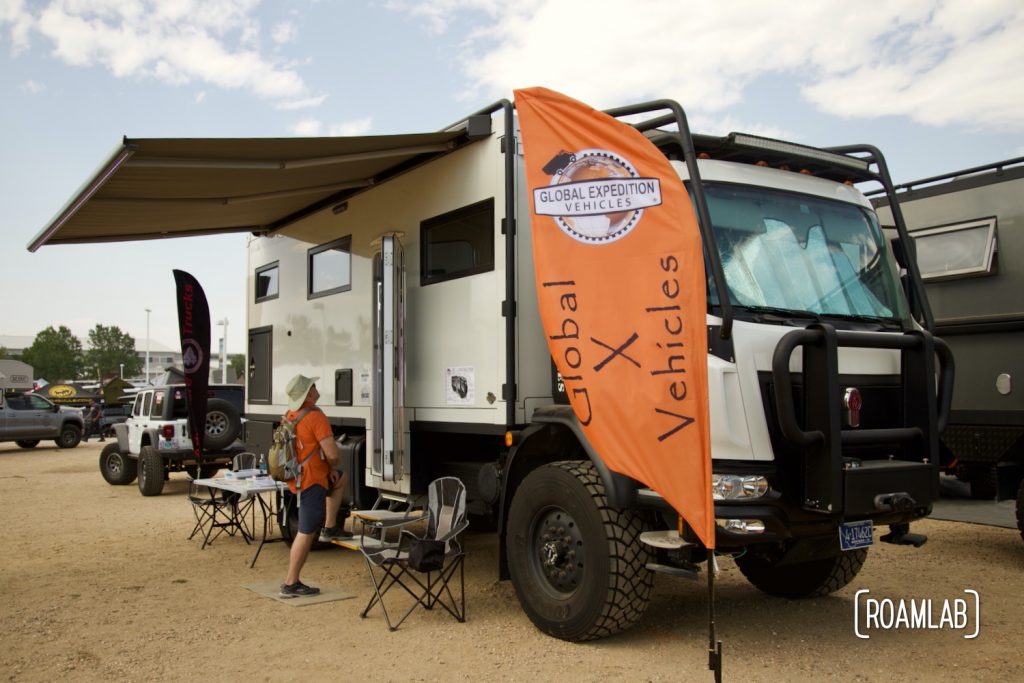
(155, 440)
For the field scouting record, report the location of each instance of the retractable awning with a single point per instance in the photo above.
(157, 188)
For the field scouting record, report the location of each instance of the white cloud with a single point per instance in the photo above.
(305, 103)
(215, 42)
(32, 87)
(311, 127)
(200, 96)
(283, 32)
(934, 61)
(346, 128)
(314, 127)
(19, 22)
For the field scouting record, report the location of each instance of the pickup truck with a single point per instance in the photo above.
(27, 419)
(154, 441)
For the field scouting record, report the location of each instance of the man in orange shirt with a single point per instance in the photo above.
(322, 485)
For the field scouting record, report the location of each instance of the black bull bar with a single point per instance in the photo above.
(821, 439)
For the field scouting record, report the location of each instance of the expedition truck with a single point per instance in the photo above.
(968, 231)
(398, 271)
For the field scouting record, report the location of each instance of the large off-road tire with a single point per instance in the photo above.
(70, 435)
(27, 443)
(577, 565)
(116, 467)
(151, 471)
(1020, 509)
(223, 425)
(984, 481)
(808, 579)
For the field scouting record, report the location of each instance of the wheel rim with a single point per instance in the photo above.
(556, 546)
(216, 424)
(69, 437)
(114, 464)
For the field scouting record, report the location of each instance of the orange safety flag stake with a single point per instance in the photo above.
(621, 289)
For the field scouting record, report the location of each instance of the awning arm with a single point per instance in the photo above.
(122, 153)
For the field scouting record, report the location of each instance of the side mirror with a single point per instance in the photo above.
(55, 408)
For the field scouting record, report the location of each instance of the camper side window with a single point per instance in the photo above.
(267, 282)
(457, 243)
(329, 268)
(953, 251)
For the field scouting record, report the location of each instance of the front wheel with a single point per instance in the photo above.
(151, 472)
(577, 565)
(27, 443)
(69, 437)
(807, 579)
(116, 467)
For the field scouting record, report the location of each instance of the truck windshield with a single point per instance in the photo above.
(792, 252)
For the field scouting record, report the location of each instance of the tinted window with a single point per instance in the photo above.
(330, 268)
(158, 405)
(267, 282)
(457, 243)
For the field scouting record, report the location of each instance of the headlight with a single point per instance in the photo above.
(738, 486)
(741, 526)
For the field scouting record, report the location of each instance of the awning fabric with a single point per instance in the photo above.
(157, 188)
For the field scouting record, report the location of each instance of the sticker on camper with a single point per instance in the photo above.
(595, 196)
(459, 386)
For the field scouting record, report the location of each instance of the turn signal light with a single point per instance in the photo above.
(167, 431)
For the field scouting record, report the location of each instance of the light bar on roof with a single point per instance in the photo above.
(800, 150)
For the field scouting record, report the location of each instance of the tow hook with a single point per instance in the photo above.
(899, 534)
(894, 502)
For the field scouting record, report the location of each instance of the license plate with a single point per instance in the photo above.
(853, 535)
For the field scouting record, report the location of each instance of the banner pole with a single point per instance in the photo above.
(714, 646)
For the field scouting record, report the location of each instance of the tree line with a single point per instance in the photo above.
(57, 355)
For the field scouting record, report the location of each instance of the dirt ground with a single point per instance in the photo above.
(99, 583)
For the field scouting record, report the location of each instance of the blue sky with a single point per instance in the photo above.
(938, 86)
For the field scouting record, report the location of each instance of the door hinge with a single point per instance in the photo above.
(505, 309)
(505, 222)
(505, 393)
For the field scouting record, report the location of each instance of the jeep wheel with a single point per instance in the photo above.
(577, 565)
(69, 437)
(116, 467)
(808, 579)
(28, 443)
(222, 425)
(151, 472)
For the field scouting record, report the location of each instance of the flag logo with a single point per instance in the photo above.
(192, 358)
(595, 196)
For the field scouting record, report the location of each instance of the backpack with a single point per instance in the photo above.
(281, 461)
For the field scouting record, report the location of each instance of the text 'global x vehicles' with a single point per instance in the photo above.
(398, 269)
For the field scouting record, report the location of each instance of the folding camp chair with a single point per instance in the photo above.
(215, 511)
(422, 565)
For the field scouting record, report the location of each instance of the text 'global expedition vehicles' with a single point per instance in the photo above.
(398, 270)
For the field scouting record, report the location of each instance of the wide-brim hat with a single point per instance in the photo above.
(298, 387)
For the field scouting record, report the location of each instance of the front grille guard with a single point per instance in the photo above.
(821, 439)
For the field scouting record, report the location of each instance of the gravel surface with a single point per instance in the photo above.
(99, 583)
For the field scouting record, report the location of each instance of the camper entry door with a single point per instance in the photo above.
(389, 361)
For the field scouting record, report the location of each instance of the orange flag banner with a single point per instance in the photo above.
(621, 288)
